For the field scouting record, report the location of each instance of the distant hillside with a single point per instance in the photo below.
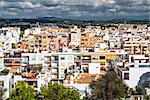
(71, 21)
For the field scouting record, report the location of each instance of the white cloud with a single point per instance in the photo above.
(74, 8)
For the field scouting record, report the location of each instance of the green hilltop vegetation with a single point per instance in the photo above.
(65, 23)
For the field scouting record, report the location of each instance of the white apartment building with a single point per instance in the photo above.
(139, 59)
(57, 62)
(9, 36)
(2, 67)
(133, 70)
(32, 31)
(8, 81)
(74, 38)
(5, 84)
(60, 64)
(43, 78)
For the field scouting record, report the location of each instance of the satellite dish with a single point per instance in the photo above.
(144, 80)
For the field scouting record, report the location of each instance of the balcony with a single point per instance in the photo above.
(54, 58)
(54, 77)
(24, 60)
(25, 64)
(55, 71)
(77, 59)
(86, 60)
(94, 59)
(47, 60)
(32, 83)
(54, 65)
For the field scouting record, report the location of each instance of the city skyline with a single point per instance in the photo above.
(74, 49)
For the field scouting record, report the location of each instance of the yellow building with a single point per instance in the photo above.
(98, 57)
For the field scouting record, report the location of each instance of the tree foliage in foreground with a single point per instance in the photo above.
(139, 91)
(109, 87)
(1, 93)
(147, 97)
(59, 92)
(22, 91)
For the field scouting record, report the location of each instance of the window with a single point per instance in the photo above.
(62, 58)
(31, 41)
(13, 46)
(126, 76)
(44, 46)
(83, 34)
(132, 59)
(102, 57)
(1, 83)
(102, 63)
(31, 46)
(95, 58)
(86, 58)
(44, 36)
(44, 41)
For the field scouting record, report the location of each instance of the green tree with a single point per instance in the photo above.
(21, 34)
(109, 87)
(137, 91)
(59, 92)
(1, 93)
(22, 91)
(147, 97)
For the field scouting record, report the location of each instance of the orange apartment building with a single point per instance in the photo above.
(87, 40)
(43, 42)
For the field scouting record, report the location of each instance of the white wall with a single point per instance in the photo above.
(6, 80)
(12, 36)
(136, 57)
(134, 76)
(18, 78)
(81, 88)
(2, 67)
(63, 64)
(43, 79)
(94, 68)
(103, 45)
(36, 59)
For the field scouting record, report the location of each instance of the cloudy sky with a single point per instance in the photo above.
(74, 9)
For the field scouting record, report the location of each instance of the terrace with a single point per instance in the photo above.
(84, 78)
